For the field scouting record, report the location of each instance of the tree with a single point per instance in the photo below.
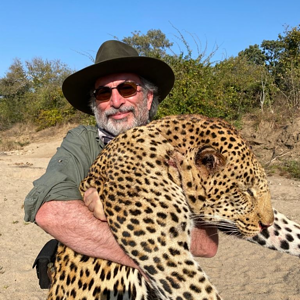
(289, 73)
(153, 44)
(254, 55)
(13, 87)
(272, 51)
(15, 82)
(242, 85)
(28, 91)
(291, 44)
(281, 58)
(43, 72)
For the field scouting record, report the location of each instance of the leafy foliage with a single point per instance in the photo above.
(282, 61)
(32, 92)
(153, 44)
(190, 89)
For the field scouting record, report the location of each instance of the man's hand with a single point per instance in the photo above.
(92, 201)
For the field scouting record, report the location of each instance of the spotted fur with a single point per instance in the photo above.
(156, 182)
(282, 236)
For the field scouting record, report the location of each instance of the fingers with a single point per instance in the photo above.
(92, 201)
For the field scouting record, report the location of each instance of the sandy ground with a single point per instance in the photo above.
(240, 270)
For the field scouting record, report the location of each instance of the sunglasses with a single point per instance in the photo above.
(126, 89)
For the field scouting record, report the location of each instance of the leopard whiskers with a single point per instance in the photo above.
(210, 221)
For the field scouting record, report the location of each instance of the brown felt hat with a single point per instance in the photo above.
(116, 57)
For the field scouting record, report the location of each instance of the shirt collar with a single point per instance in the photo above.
(105, 136)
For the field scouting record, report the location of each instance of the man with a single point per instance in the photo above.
(122, 90)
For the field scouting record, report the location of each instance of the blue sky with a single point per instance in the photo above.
(64, 29)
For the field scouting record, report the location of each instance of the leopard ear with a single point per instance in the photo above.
(209, 160)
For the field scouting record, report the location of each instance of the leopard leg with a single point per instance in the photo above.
(283, 235)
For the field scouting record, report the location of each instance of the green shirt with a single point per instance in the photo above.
(66, 169)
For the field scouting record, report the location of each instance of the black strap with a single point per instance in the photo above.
(46, 256)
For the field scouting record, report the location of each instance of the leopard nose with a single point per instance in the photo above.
(264, 226)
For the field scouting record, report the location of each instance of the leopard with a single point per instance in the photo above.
(156, 182)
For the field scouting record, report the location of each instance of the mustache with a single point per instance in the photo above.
(113, 111)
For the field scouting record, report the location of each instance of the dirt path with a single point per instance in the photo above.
(240, 270)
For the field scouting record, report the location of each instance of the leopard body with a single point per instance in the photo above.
(156, 182)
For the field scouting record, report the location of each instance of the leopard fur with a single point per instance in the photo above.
(282, 236)
(155, 182)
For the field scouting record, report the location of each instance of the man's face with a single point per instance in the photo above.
(118, 114)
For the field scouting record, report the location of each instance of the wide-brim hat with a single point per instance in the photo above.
(116, 57)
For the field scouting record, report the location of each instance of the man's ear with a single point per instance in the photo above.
(149, 99)
(209, 160)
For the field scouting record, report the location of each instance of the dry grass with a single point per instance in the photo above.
(16, 137)
(21, 135)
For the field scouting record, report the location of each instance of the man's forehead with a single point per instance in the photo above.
(117, 78)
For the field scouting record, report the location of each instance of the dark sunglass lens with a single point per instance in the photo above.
(103, 93)
(127, 89)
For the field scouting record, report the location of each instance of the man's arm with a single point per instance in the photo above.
(74, 225)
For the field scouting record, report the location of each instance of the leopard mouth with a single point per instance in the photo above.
(237, 230)
(263, 226)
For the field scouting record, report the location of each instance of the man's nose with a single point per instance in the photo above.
(116, 100)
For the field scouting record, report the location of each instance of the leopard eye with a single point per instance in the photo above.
(250, 192)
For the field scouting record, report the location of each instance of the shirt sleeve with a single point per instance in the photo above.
(67, 168)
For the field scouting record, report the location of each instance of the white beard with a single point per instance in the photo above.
(115, 127)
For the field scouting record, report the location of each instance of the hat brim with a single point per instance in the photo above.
(76, 87)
